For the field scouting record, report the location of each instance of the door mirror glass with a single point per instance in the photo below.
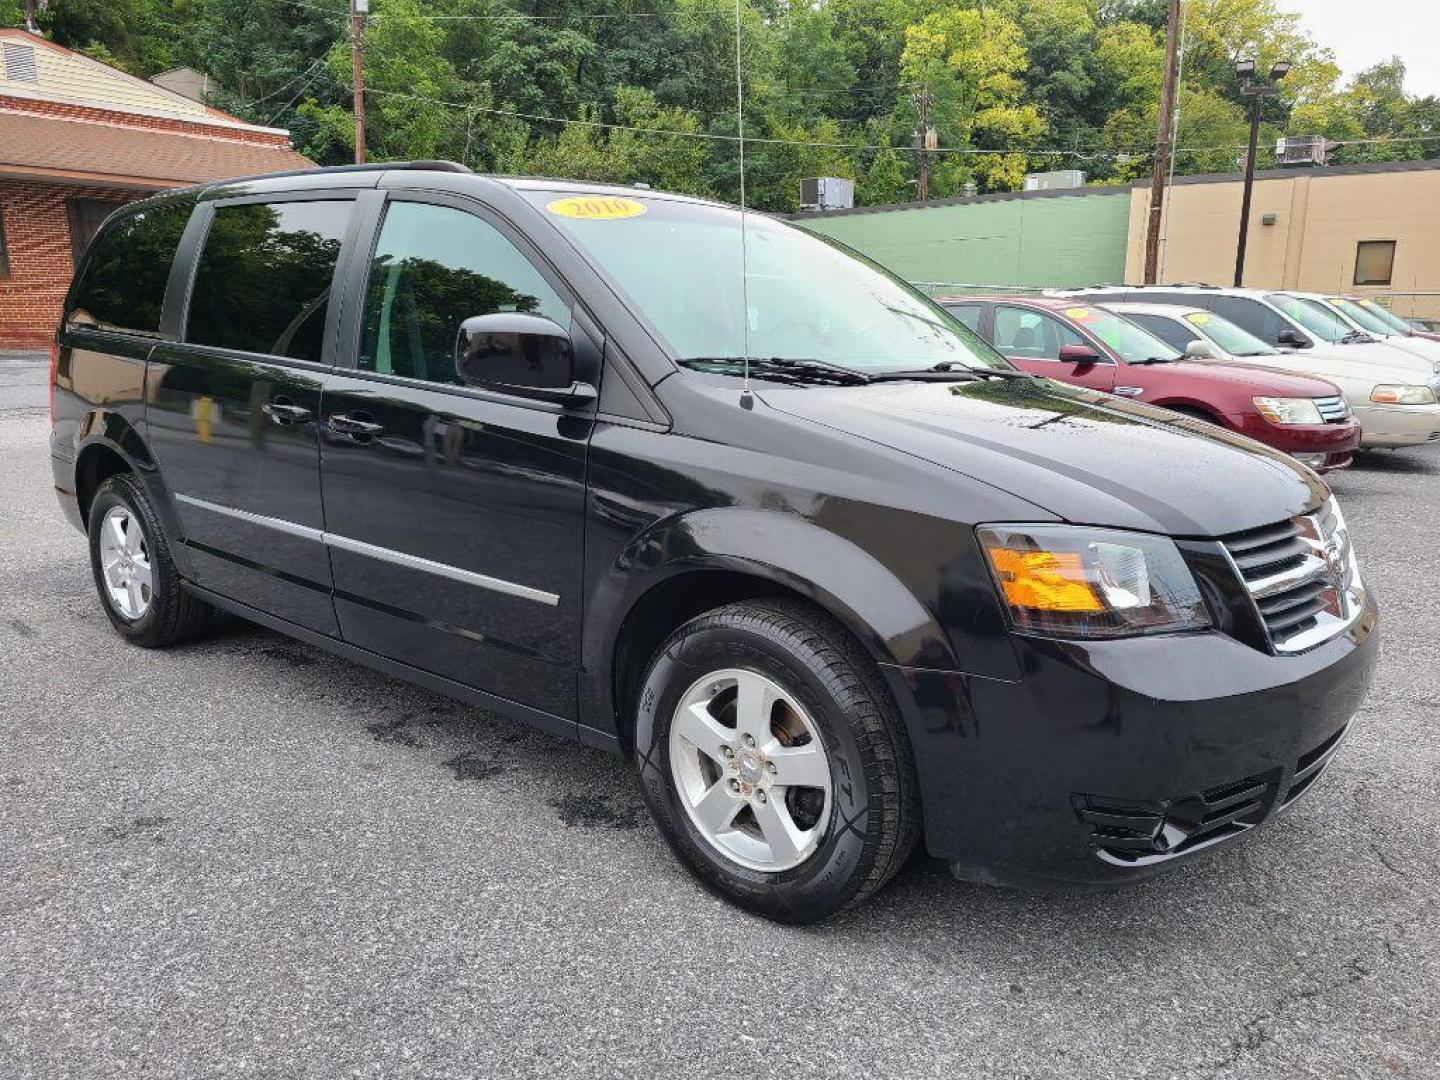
(1078, 354)
(1199, 350)
(514, 351)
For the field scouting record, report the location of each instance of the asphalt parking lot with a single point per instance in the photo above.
(246, 858)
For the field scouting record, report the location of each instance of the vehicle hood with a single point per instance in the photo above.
(1370, 354)
(1357, 362)
(1253, 379)
(1416, 346)
(1085, 456)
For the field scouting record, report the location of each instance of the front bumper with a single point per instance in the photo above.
(1398, 425)
(1113, 760)
(1322, 446)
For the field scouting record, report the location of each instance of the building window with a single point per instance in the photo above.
(4, 250)
(20, 63)
(1374, 262)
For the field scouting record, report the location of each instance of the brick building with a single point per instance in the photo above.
(77, 139)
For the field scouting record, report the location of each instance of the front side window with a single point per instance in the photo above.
(1252, 316)
(803, 297)
(1031, 334)
(434, 267)
(1374, 262)
(123, 276)
(263, 281)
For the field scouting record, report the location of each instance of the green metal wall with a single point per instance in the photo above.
(1039, 242)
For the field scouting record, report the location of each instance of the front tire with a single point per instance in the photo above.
(133, 570)
(775, 762)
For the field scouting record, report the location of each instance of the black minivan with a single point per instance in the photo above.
(830, 571)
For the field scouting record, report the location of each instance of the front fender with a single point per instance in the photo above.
(828, 569)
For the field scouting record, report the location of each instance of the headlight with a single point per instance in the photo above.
(1066, 581)
(1289, 410)
(1397, 394)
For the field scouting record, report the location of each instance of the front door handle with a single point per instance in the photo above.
(357, 426)
(283, 411)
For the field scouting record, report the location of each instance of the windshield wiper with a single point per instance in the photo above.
(948, 371)
(795, 369)
(1356, 337)
(1157, 360)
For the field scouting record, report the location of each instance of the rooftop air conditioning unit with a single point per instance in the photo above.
(1302, 150)
(826, 193)
(1058, 180)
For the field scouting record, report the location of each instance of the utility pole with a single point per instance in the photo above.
(924, 143)
(1162, 143)
(1257, 92)
(357, 70)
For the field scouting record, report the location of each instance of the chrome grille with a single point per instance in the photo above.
(1333, 410)
(1302, 577)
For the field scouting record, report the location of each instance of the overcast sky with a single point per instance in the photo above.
(1362, 33)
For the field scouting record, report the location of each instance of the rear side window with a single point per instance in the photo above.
(122, 282)
(969, 314)
(263, 281)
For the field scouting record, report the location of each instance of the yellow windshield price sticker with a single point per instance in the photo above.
(1200, 318)
(1078, 312)
(596, 207)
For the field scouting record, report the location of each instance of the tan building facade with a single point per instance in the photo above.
(1310, 229)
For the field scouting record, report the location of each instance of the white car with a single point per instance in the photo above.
(1349, 317)
(1393, 407)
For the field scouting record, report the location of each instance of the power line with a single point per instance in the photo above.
(710, 136)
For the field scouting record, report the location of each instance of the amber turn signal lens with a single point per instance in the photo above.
(1044, 580)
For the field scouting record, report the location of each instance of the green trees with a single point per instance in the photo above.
(831, 86)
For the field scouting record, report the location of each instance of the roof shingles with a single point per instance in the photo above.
(41, 144)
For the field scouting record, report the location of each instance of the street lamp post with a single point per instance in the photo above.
(1257, 92)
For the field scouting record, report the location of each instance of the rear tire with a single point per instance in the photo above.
(815, 806)
(133, 570)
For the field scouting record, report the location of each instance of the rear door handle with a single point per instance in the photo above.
(356, 425)
(283, 411)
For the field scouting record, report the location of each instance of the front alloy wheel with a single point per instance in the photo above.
(751, 769)
(774, 760)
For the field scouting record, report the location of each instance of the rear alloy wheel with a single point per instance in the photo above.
(134, 574)
(774, 760)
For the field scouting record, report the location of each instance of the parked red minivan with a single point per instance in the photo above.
(1086, 345)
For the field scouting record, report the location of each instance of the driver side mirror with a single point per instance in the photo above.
(518, 353)
(1080, 355)
(1199, 350)
(1291, 339)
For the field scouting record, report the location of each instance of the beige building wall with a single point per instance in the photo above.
(1320, 217)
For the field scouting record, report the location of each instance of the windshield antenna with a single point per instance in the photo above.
(746, 401)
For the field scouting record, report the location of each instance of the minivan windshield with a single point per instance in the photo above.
(809, 298)
(1313, 316)
(1227, 335)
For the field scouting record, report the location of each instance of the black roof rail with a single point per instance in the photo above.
(371, 166)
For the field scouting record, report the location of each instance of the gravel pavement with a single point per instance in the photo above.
(245, 858)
